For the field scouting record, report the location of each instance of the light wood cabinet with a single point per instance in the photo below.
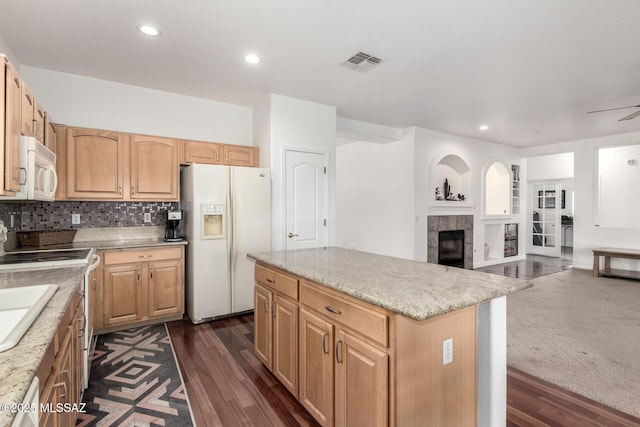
(155, 172)
(60, 372)
(12, 124)
(103, 165)
(50, 133)
(28, 108)
(139, 286)
(361, 365)
(239, 155)
(276, 336)
(123, 294)
(316, 366)
(95, 163)
(262, 341)
(38, 121)
(202, 152)
(361, 383)
(220, 154)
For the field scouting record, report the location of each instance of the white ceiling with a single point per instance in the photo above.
(530, 69)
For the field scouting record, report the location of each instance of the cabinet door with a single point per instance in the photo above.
(95, 164)
(165, 288)
(38, 121)
(13, 128)
(285, 342)
(202, 152)
(122, 294)
(155, 171)
(64, 382)
(362, 386)
(238, 155)
(48, 398)
(50, 133)
(28, 107)
(262, 325)
(316, 366)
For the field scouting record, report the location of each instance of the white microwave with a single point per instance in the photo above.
(38, 179)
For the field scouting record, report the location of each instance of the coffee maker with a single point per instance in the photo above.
(172, 233)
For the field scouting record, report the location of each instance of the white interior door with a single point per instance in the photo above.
(305, 199)
(544, 219)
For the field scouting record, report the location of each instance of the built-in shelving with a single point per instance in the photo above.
(515, 189)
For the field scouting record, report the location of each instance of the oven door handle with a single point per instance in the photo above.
(94, 264)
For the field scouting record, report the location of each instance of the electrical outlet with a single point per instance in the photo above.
(447, 351)
(75, 218)
(147, 217)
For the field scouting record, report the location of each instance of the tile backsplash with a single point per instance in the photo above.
(57, 215)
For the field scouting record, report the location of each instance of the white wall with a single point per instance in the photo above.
(478, 155)
(4, 48)
(301, 124)
(555, 167)
(88, 102)
(374, 197)
(586, 235)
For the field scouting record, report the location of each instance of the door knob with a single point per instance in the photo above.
(292, 235)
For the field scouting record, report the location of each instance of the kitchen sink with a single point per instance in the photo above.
(19, 307)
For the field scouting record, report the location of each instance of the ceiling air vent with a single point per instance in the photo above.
(362, 62)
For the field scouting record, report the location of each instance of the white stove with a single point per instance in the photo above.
(54, 258)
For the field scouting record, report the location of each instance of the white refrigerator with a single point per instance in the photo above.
(227, 213)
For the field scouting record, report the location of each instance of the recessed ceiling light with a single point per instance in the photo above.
(252, 58)
(484, 127)
(148, 30)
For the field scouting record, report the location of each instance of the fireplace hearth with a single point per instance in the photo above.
(439, 223)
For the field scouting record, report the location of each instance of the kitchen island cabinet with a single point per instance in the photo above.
(374, 335)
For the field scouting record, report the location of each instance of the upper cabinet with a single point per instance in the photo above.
(95, 162)
(154, 168)
(12, 122)
(50, 133)
(103, 165)
(220, 154)
(202, 152)
(28, 108)
(239, 155)
(38, 121)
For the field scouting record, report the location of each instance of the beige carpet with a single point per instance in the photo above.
(581, 333)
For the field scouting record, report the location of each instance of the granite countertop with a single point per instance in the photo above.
(416, 290)
(110, 244)
(18, 365)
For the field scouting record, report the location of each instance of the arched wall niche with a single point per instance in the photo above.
(497, 189)
(455, 170)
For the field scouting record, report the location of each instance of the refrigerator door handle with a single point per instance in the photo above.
(230, 235)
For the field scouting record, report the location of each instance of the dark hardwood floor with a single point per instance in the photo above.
(228, 386)
(533, 266)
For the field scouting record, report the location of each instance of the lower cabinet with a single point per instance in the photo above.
(140, 285)
(361, 365)
(61, 378)
(276, 329)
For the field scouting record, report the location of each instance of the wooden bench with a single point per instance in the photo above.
(609, 253)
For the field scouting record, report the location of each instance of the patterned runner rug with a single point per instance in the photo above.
(134, 381)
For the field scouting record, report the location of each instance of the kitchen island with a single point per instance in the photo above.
(365, 339)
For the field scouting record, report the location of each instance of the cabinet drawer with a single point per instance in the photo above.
(141, 255)
(363, 319)
(277, 281)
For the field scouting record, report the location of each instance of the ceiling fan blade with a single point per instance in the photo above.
(630, 116)
(611, 109)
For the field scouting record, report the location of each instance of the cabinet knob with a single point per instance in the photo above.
(133, 190)
(120, 190)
